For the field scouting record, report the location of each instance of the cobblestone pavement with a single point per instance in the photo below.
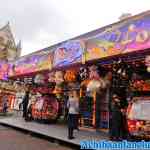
(14, 140)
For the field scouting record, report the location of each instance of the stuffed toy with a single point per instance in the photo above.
(93, 73)
(83, 74)
(94, 85)
(59, 78)
(51, 77)
(70, 76)
(39, 79)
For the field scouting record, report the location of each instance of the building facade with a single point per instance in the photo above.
(9, 50)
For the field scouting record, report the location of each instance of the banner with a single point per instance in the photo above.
(32, 63)
(4, 68)
(68, 53)
(124, 37)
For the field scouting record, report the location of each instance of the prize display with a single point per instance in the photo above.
(139, 117)
(45, 108)
(18, 99)
(86, 110)
(83, 73)
(104, 111)
(6, 100)
(70, 76)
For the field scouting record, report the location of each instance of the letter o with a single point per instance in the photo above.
(142, 36)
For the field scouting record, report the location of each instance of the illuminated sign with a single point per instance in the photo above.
(68, 53)
(33, 63)
(124, 37)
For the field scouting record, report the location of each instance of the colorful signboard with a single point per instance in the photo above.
(124, 37)
(68, 53)
(33, 63)
(4, 67)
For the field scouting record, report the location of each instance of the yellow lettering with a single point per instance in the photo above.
(118, 34)
(127, 39)
(142, 36)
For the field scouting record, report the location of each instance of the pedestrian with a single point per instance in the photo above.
(25, 104)
(66, 97)
(116, 121)
(29, 113)
(73, 110)
(124, 126)
(5, 106)
(75, 94)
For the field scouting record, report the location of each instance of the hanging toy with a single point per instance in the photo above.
(93, 85)
(70, 75)
(51, 77)
(57, 89)
(59, 77)
(83, 74)
(108, 78)
(93, 73)
(147, 63)
(39, 79)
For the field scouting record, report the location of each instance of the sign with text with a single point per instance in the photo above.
(124, 37)
(4, 67)
(68, 53)
(36, 62)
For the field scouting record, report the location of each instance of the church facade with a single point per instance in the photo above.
(9, 50)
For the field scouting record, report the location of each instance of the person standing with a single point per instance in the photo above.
(5, 101)
(73, 110)
(66, 97)
(124, 126)
(75, 94)
(25, 105)
(116, 122)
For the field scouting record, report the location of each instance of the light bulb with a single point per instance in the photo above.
(148, 69)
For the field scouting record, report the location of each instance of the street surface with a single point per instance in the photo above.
(11, 139)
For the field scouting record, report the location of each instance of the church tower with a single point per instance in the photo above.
(9, 51)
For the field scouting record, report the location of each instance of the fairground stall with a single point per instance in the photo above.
(32, 71)
(107, 61)
(122, 48)
(7, 89)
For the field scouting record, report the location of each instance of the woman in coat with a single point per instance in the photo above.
(73, 111)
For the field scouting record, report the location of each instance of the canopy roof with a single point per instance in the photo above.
(126, 36)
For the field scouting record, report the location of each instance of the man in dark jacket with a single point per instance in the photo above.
(25, 105)
(5, 100)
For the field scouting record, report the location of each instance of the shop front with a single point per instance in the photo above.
(96, 65)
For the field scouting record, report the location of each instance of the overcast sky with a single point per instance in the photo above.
(41, 23)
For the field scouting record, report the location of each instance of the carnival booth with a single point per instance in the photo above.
(97, 65)
(138, 109)
(32, 71)
(7, 90)
(7, 94)
(121, 47)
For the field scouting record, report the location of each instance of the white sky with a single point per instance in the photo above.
(41, 23)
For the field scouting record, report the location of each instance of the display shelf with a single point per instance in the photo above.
(104, 112)
(140, 93)
(49, 109)
(86, 111)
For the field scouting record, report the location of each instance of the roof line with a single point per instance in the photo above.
(83, 36)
